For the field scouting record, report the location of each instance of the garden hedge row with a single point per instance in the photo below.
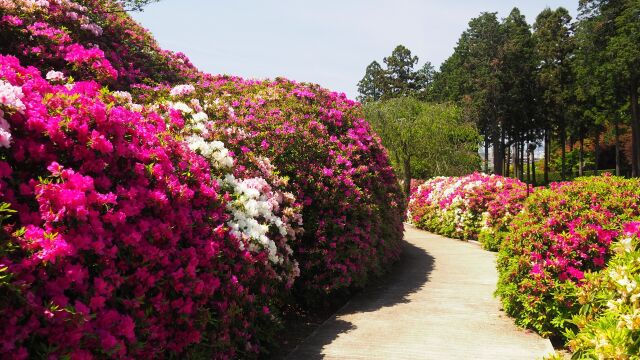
(152, 210)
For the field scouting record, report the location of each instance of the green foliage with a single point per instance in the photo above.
(136, 5)
(491, 75)
(607, 65)
(398, 79)
(572, 161)
(517, 77)
(491, 240)
(554, 47)
(432, 137)
(372, 85)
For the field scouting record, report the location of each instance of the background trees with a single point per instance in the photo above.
(569, 86)
(135, 5)
(553, 50)
(425, 139)
(608, 34)
(398, 79)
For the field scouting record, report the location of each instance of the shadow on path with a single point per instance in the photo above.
(407, 276)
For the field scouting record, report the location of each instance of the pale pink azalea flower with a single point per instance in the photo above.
(5, 134)
(180, 90)
(55, 76)
(11, 96)
(93, 28)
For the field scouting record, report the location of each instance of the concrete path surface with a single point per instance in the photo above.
(437, 303)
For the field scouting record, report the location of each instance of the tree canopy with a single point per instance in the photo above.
(136, 5)
(398, 78)
(425, 138)
(566, 84)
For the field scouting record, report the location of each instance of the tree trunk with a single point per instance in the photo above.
(635, 128)
(528, 165)
(581, 155)
(522, 157)
(498, 157)
(503, 151)
(563, 144)
(507, 163)
(533, 167)
(486, 156)
(406, 166)
(596, 150)
(515, 159)
(616, 130)
(547, 153)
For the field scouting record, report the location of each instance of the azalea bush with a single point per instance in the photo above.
(476, 206)
(328, 155)
(87, 40)
(564, 231)
(151, 210)
(609, 320)
(353, 207)
(124, 241)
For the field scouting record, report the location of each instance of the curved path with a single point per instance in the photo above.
(436, 304)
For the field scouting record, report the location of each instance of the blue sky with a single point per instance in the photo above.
(329, 42)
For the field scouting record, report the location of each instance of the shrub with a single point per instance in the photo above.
(87, 40)
(123, 243)
(166, 219)
(609, 319)
(353, 207)
(563, 231)
(475, 206)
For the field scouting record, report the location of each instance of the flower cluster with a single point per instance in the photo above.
(181, 90)
(126, 243)
(262, 214)
(563, 231)
(10, 102)
(609, 322)
(475, 206)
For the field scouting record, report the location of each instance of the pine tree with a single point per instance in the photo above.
(371, 87)
(554, 49)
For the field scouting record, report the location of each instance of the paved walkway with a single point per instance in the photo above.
(436, 304)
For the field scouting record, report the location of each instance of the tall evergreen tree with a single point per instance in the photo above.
(397, 79)
(400, 75)
(424, 80)
(517, 77)
(554, 49)
(475, 67)
(371, 87)
(610, 33)
(451, 82)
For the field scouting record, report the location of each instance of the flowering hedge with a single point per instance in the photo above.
(609, 320)
(87, 40)
(166, 219)
(476, 206)
(353, 207)
(126, 243)
(564, 230)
